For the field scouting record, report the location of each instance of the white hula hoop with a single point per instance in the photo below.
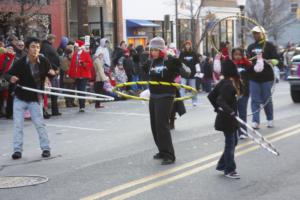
(78, 92)
(108, 98)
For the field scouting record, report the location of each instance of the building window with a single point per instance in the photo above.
(294, 7)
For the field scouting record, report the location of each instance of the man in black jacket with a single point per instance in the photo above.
(51, 54)
(30, 71)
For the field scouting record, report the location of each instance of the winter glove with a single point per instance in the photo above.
(259, 67)
(217, 64)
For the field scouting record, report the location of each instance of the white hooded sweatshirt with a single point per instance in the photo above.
(104, 50)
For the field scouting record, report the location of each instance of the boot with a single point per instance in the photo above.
(46, 114)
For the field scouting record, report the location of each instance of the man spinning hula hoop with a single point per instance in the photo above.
(162, 69)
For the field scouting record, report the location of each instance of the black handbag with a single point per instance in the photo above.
(185, 71)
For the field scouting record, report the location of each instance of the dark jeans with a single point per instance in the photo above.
(242, 111)
(207, 85)
(160, 112)
(71, 86)
(227, 162)
(54, 105)
(81, 86)
(10, 101)
(99, 90)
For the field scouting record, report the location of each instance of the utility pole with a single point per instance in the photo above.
(176, 25)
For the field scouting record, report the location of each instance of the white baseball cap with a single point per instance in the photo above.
(258, 29)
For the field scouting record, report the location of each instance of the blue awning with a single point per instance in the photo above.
(131, 23)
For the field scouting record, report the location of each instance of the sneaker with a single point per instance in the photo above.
(233, 175)
(16, 155)
(195, 104)
(255, 125)
(81, 110)
(46, 154)
(99, 106)
(167, 161)
(158, 156)
(243, 137)
(270, 124)
(56, 114)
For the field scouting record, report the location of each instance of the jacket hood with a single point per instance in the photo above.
(103, 41)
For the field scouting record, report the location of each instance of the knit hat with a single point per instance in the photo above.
(229, 69)
(157, 43)
(80, 43)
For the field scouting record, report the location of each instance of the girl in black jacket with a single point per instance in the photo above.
(224, 100)
(162, 97)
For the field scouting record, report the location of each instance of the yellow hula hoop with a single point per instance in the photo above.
(235, 17)
(115, 90)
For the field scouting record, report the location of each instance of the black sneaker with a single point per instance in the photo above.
(81, 110)
(56, 114)
(167, 161)
(46, 115)
(233, 175)
(158, 156)
(16, 155)
(46, 154)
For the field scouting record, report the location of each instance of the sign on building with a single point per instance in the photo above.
(96, 3)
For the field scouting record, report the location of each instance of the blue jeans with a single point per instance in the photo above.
(227, 162)
(36, 114)
(260, 93)
(242, 111)
(192, 83)
(81, 86)
(135, 78)
(207, 85)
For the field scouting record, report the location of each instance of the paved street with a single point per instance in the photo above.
(107, 154)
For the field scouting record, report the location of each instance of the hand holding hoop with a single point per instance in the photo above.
(235, 17)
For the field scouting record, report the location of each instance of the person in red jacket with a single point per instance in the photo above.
(80, 69)
(6, 61)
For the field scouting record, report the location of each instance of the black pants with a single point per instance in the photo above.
(54, 105)
(10, 101)
(99, 89)
(69, 101)
(227, 162)
(81, 86)
(160, 113)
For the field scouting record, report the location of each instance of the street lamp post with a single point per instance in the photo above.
(241, 4)
(177, 25)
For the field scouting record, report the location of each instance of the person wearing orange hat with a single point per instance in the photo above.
(191, 60)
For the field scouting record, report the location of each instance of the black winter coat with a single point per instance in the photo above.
(51, 54)
(163, 71)
(269, 53)
(21, 69)
(223, 98)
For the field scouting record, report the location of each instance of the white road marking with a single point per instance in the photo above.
(75, 127)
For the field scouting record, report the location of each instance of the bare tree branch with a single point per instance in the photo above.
(272, 15)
